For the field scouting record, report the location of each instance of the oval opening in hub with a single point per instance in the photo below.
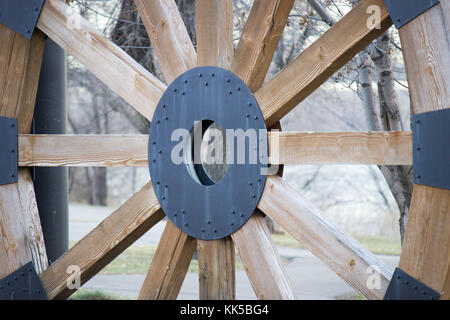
(206, 153)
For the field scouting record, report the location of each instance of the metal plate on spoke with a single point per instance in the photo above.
(431, 153)
(405, 287)
(20, 15)
(22, 284)
(206, 211)
(8, 150)
(404, 11)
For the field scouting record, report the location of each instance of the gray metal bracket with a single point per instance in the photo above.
(403, 11)
(22, 284)
(405, 287)
(431, 148)
(8, 150)
(21, 15)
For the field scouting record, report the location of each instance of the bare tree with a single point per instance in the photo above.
(94, 120)
(399, 178)
(130, 34)
(377, 59)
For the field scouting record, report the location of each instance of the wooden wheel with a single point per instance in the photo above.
(250, 62)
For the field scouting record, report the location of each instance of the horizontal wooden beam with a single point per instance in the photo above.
(83, 150)
(320, 60)
(360, 268)
(110, 238)
(100, 56)
(378, 148)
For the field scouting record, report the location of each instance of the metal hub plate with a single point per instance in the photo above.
(206, 211)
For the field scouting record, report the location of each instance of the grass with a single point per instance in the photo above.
(351, 296)
(84, 294)
(376, 245)
(381, 245)
(136, 260)
(286, 240)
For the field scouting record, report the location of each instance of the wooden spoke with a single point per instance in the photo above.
(339, 251)
(261, 260)
(169, 265)
(320, 60)
(104, 59)
(20, 61)
(214, 33)
(20, 228)
(110, 238)
(259, 40)
(83, 150)
(216, 267)
(426, 247)
(381, 148)
(168, 36)
(215, 48)
(426, 60)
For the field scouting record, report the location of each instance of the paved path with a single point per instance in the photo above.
(82, 219)
(311, 278)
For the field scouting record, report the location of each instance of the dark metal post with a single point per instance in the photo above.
(51, 185)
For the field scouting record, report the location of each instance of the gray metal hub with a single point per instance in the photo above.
(206, 210)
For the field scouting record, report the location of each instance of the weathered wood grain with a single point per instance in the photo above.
(100, 56)
(168, 36)
(216, 259)
(83, 150)
(214, 24)
(21, 238)
(426, 248)
(319, 61)
(338, 250)
(169, 265)
(262, 262)
(428, 67)
(216, 269)
(104, 243)
(381, 148)
(259, 40)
